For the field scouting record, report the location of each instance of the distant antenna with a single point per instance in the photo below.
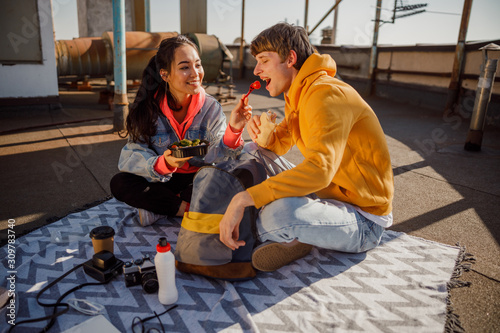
(402, 7)
(410, 7)
(412, 13)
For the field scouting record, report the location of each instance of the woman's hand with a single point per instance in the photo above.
(174, 162)
(240, 115)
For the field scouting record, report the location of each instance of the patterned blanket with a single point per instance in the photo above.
(401, 286)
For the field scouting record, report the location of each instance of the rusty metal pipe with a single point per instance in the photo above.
(454, 87)
(84, 56)
(140, 47)
(94, 56)
(483, 96)
(242, 41)
(306, 12)
(374, 50)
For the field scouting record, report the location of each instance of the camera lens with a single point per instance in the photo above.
(149, 282)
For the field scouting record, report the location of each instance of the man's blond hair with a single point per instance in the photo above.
(282, 38)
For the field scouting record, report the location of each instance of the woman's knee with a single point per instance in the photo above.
(115, 185)
(122, 184)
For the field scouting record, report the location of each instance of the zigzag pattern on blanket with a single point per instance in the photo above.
(397, 286)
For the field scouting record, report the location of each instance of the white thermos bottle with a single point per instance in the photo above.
(165, 270)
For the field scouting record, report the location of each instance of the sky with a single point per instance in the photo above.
(438, 25)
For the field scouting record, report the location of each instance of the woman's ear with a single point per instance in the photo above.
(164, 75)
(292, 58)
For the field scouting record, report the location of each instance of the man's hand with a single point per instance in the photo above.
(230, 224)
(253, 127)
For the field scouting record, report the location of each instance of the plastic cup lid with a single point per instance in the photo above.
(102, 232)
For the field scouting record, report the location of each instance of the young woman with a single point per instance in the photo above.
(171, 105)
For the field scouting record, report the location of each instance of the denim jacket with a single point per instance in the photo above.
(208, 124)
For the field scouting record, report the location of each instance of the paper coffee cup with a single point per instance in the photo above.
(102, 238)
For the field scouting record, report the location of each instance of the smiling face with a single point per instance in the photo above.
(186, 73)
(277, 74)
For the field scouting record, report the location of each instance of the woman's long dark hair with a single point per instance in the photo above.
(143, 113)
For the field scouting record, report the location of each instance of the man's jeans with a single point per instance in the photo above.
(325, 223)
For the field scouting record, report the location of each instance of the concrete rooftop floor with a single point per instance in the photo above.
(54, 162)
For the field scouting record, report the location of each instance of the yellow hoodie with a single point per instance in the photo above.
(344, 148)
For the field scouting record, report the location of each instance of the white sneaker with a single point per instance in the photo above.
(147, 218)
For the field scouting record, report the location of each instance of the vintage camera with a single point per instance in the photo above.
(141, 272)
(103, 266)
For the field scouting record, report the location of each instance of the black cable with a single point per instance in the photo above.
(142, 321)
(161, 324)
(58, 303)
(38, 301)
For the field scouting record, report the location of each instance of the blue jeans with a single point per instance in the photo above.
(325, 223)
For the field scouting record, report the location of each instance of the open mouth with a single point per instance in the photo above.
(268, 81)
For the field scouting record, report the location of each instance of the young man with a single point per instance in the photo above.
(340, 196)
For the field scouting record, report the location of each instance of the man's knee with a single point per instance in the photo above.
(282, 209)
